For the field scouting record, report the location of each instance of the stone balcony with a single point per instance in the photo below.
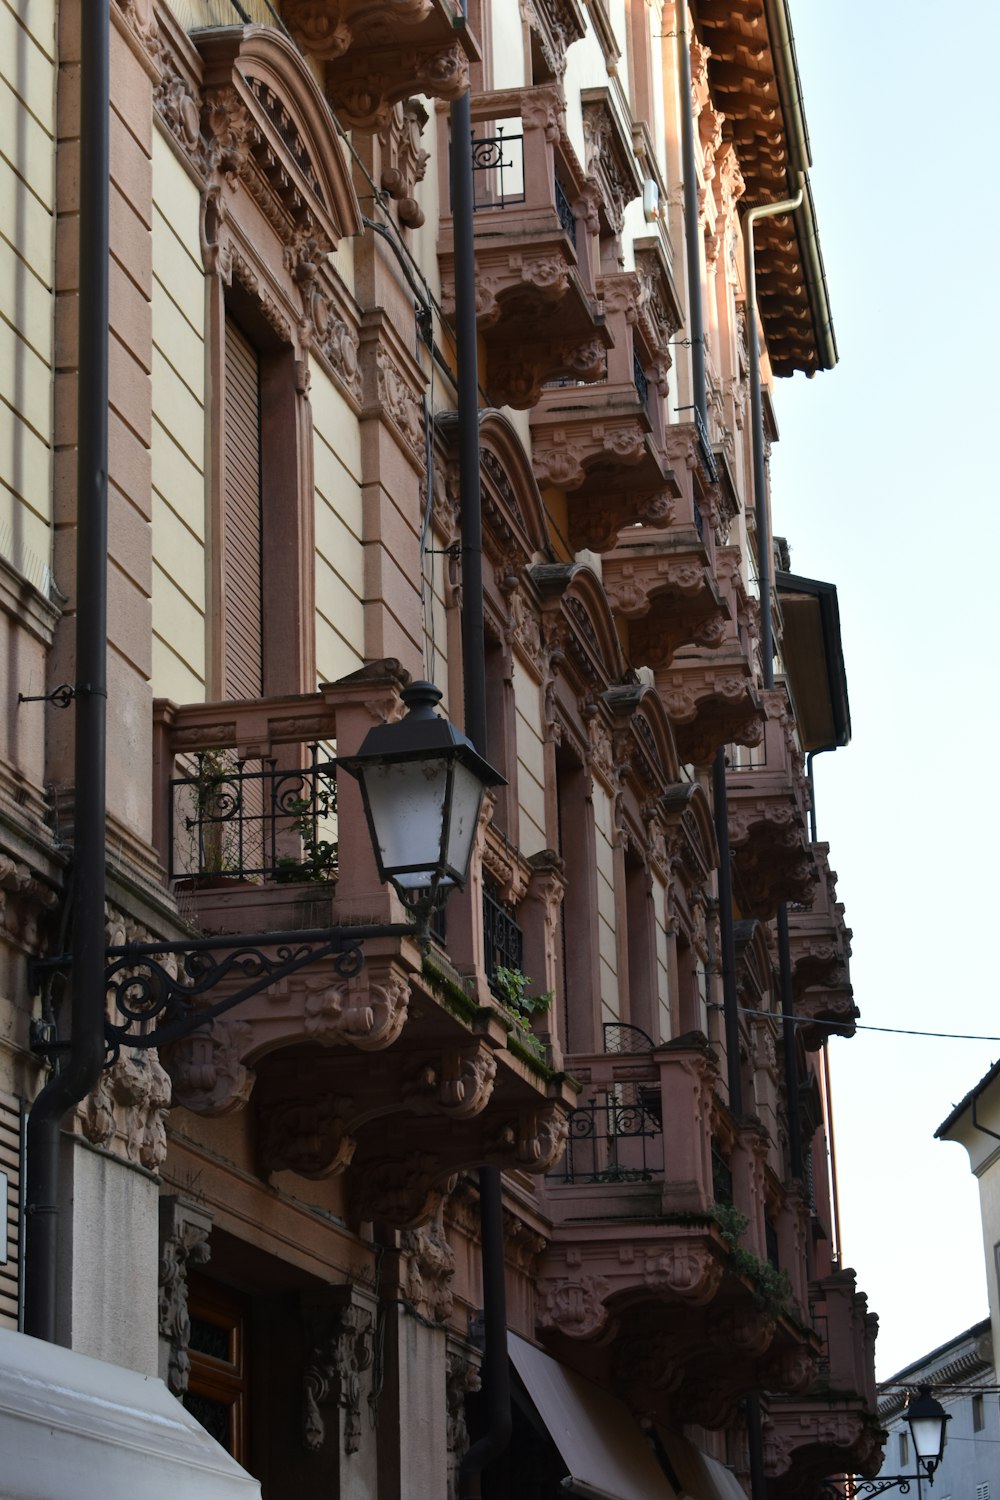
(833, 1428)
(536, 228)
(820, 946)
(375, 53)
(708, 690)
(659, 1249)
(603, 442)
(768, 815)
(255, 831)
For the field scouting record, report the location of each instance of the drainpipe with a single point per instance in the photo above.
(764, 573)
(755, 1446)
(496, 1374)
(699, 397)
(692, 231)
(82, 1068)
(764, 560)
(730, 999)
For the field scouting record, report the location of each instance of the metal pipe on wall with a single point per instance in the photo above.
(82, 1068)
(692, 232)
(496, 1373)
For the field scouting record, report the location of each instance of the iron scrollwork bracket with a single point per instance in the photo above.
(901, 1482)
(156, 988)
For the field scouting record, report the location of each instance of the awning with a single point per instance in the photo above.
(600, 1441)
(70, 1425)
(701, 1477)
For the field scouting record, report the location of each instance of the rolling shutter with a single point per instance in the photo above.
(244, 636)
(10, 1205)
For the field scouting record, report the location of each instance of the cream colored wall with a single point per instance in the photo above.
(606, 913)
(178, 433)
(530, 761)
(339, 552)
(27, 206)
(508, 46)
(436, 618)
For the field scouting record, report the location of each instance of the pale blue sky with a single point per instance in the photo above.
(885, 482)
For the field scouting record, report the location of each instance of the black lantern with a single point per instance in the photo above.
(927, 1420)
(422, 784)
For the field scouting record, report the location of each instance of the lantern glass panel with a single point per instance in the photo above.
(466, 801)
(407, 802)
(928, 1435)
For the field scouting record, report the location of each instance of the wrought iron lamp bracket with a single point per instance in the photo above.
(155, 988)
(901, 1482)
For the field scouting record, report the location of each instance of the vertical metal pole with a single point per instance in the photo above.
(496, 1376)
(692, 233)
(720, 802)
(83, 1065)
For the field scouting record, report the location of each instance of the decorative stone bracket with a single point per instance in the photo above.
(335, 1364)
(184, 1232)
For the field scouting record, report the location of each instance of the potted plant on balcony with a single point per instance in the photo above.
(510, 987)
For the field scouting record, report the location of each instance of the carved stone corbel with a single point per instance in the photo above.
(335, 1364)
(367, 1011)
(206, 1069)
(428, 1269)
(462, 1377)
(184, 1232)
(306, 1136)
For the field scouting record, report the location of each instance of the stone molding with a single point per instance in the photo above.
(185, 1228)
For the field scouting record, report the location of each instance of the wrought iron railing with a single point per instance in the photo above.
(619, 1037)
(495, 174)
(503, 940)
(258, 820)
(722, 1179)
(612, 1141)
(705, 448)
(641, 382)
(564, 209)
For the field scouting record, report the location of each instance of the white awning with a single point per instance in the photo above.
(701, 1477)
(70, 1425)
(600, 1441)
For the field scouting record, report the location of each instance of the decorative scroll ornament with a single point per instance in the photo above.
(404, 160)
(206, 1070)
(306, 1136)
(358, 1011)
(184, 1232)
(404, 1191)
(333, 1376)
(575, 1305)
(458, 1084)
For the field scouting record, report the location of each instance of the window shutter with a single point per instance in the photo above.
(244, 635)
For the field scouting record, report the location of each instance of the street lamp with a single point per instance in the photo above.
(927, 1420)
(422, 785)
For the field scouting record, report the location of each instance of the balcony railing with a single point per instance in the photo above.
(254, 820)
(564, 209)
(613, 1140)
(498, 178)
(641, 383)
(503, 941)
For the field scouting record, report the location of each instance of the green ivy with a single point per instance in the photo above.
(772, 1288)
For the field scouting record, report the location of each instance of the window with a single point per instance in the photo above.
(217, 1384)
(978, 1420)
(904, 1448)
(242, 520)
(983, 1491)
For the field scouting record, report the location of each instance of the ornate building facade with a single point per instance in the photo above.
(627, 1010)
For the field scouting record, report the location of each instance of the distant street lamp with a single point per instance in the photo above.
(927, 1420)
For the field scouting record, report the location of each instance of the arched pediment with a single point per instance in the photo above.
(753, 962)
(588, 629)
(641, 714)
(691, 828)
(267, 124)
(508, 469)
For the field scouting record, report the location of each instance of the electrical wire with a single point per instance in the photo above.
(950, 1036)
